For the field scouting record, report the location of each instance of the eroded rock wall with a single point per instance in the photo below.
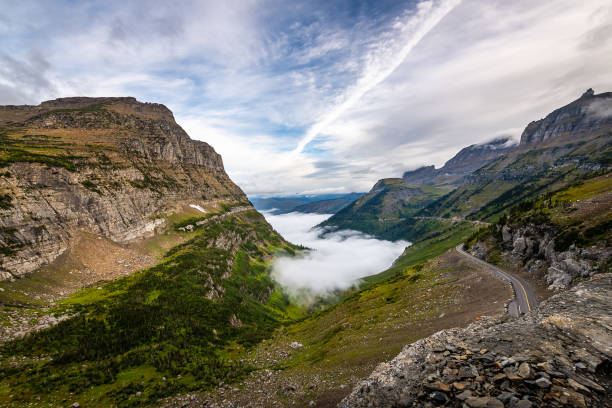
(129, 162)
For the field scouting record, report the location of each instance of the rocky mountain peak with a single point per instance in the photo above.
(419, 176)
(127, 105)
(588, 116)
(587, 93)
(468, 160)
(473, 157)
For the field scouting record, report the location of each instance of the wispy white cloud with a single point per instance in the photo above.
(384, 58)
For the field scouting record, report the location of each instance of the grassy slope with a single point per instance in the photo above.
(171, 320)
(399, 288)
(402, 304)
(342, 343)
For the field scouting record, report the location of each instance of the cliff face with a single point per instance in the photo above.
(557, 356)
(422, 175)
(558, 237)
(590, 113)
(471, 158)
(110, 166)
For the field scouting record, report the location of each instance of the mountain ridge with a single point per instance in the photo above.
(465, 162)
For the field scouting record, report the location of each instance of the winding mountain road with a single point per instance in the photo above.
(524, 297)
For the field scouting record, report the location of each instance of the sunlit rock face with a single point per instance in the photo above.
(109, 166)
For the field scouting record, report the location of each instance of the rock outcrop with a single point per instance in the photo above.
(559, 355)
(422, 175)
(535, 246)
(110, 166)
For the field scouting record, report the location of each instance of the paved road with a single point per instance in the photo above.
(524, 296)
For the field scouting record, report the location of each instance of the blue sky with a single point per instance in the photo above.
(316, 96)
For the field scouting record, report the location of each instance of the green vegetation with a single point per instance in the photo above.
(171, 320)
(441, 241)
(383, 211)
(5, 202)
(555, 213)
(36, 149)
(90, 185)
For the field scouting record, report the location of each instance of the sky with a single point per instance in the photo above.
(310, 97)
(335, 262)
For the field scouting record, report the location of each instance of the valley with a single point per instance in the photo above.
(136, 273)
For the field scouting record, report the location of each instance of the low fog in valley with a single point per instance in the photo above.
(337, 261)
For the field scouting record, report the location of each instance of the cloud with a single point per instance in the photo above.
(601, 108)
(20, 79)
(384, 59)
(375, 87)
(488, 68)
(336, 262)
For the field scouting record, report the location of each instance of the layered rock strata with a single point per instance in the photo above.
(110, 166)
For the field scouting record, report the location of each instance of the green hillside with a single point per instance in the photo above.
(178, 326)
(387, 204)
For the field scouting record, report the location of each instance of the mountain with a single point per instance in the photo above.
(391, 201)
(388, 202)
(322, 204)
(571, 143)
(110, 166)
(134, 268)
(183, 312)
(328, 206)
(589, 114)
(464, 163)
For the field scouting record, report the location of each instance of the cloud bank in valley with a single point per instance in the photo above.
(336, 262)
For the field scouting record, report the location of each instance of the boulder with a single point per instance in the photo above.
(506, 233)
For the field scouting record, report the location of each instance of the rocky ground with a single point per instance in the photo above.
(559, 355)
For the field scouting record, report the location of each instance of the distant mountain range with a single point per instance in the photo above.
(320, 204)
